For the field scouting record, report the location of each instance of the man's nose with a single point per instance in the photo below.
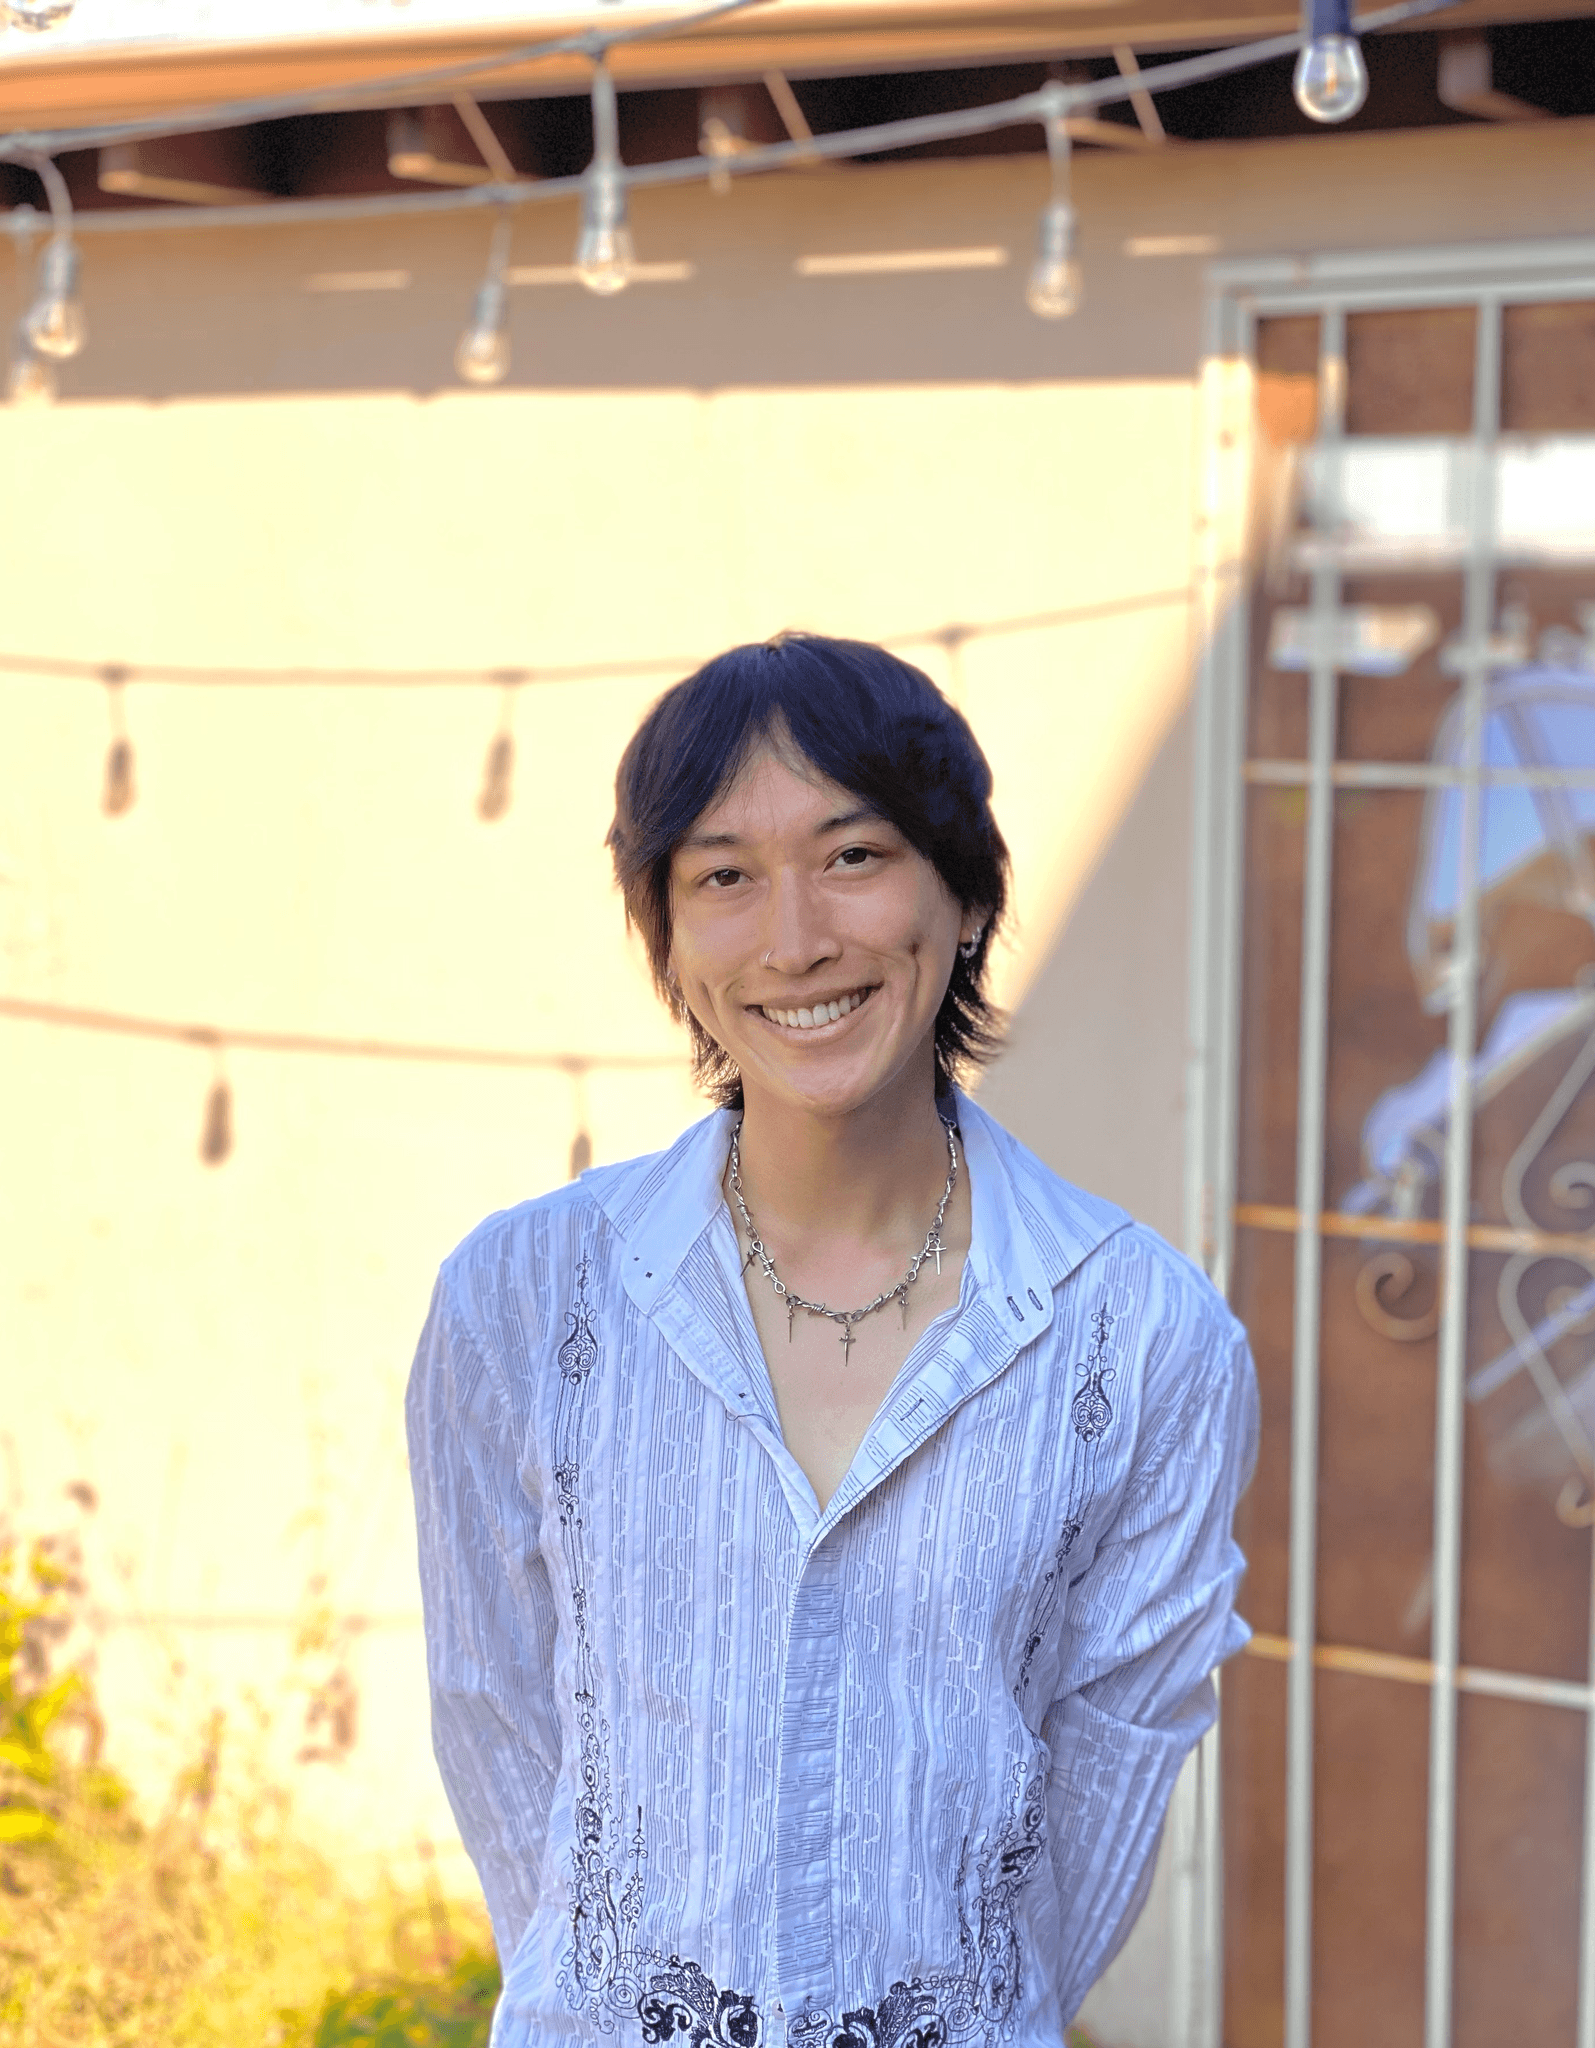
(797, 935)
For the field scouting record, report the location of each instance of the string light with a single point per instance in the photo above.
(1331, 80)
(118, 789)
(54, 323)
(604, 255)
(1055, 281)
(1331, 84)
(217, 1134)
(496, 791)
(483, 354)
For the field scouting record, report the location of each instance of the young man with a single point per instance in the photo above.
(825, 1524)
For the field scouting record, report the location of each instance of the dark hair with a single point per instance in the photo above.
(874, 725)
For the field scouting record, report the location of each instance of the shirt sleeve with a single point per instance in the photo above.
(489, 1615)
(1150, 1618)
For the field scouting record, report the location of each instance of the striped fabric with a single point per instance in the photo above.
(733, 1770)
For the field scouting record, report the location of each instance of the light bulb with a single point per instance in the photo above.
(498, 778)
(118, 789)
(1331, 80)
(54, 323)
(1056, 281)
(483, 356)
(36, 14)
(216, 1129)
(604, 256)
(31, 380)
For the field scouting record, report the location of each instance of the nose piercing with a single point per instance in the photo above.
(766, 960)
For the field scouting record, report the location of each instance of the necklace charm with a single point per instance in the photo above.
(846, 1317)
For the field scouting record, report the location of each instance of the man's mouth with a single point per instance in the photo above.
(814, 1016)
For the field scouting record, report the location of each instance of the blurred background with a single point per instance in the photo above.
(318, 647)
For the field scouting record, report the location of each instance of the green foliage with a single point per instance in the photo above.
(211, 1924)
(394, 2011)
(35, 1703)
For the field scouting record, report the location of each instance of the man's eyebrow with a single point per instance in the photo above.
(695, 840)
(841, 821)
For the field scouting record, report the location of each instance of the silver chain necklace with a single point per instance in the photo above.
(932, 1248)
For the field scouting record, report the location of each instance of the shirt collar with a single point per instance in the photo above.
(1029, 1229)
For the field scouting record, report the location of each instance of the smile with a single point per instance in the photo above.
(815, 1016)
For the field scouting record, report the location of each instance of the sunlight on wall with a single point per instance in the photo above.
(222, 1351)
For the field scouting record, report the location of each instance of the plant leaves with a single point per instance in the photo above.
(25, 1824)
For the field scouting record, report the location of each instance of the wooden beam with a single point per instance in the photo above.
(44, 86)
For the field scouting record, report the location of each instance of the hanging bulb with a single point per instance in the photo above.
(54, 323)
(36, 14)
(119, 789)
(498, 778)
(483, 356)
(1331, 80)
(581, 1154)
(31, 379)
(1056, 279)
(216, 1132)
(604, 256)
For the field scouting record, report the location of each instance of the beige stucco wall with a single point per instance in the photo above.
(249, 473)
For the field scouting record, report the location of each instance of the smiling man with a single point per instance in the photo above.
(825, 1524)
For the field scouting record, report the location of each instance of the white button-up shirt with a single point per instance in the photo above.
(891, 1774)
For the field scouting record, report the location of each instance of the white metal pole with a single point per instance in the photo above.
(1312, 1059)
(1478, 604)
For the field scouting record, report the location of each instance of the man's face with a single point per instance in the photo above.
(810, 939)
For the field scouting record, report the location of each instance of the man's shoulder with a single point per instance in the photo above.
(1089, 1227)
(548, 1232)
(1065, 1223)
(590, 1199)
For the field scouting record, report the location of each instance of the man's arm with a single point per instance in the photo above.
(1150, 1617)
(489, 1615)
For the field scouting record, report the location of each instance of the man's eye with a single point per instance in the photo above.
(724, 878)
(852, 856)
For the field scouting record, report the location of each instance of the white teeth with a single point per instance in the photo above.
(821, 1013)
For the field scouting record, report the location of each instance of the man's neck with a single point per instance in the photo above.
(872, 1176)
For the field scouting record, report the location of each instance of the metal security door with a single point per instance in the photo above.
(1393, 1100)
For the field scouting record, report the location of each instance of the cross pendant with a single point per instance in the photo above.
(846, 1341)
(902, 1303)
(936, 1248)
(791, 1312)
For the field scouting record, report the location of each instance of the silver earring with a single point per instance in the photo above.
(971, 945)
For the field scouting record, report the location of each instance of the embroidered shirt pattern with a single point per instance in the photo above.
(740, 1774)
(1092, 1410)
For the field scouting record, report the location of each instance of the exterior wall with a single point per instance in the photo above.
(249, 473)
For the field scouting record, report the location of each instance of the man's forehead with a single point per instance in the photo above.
(775, 794)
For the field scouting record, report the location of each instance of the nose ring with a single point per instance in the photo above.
(766, 960)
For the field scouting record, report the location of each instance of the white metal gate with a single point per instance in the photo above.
(1301, 548)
